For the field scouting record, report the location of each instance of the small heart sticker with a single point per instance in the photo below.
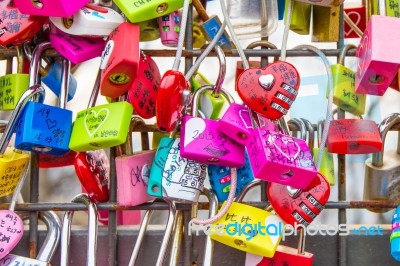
(11, 231)
(94, 120)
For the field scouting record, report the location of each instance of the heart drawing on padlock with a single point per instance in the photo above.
(356, 18)
(11, 231)
(269, 91)
(245, 117)
(196, 127)
(363, 53)
(286, 146)
(94, 120)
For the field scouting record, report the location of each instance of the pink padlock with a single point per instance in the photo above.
(280, 158)
(170, 26)
(50, 8)
(379, 60)
(76, 49)
(236, 123)
(201, 140)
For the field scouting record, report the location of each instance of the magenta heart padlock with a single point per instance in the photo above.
(236, 123)
(50, 8)
(378, 62)
(280, 158)
(201, 140)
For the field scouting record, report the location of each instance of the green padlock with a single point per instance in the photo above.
(344, 95)
(327, 164)
(392, 8)
(12, 86)
(102, 126)
(301, 17)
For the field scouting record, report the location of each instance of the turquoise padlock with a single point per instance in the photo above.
(43, 128)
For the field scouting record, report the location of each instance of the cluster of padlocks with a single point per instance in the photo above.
(201, 133)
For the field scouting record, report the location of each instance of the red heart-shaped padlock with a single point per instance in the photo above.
(269, 91)
(11, 231)
(92, 169)
(17, 28)
(296, 206)
(143, 93)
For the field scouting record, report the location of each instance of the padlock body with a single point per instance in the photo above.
(12, 86)
(301, 17)
(257, 241)
(52, 161)
(344, 95)
(90, 21)
(269, 91)
(327, 165)
(131, 217)
(12, 167)
(325, 27)
(324, 3)
(53, 80)
(12, 259)
(210, 29)
(378, 65)
(132, 178)
(288, 256)
(236, 123)
(240, 68)
(380, 182)
(149, 30)
(16, 27)
(143, 93)
(353, 136)
(49, 8)
(357, 14)
(303, 208)
(137, 11)
(174, 177)
(220, 179)
(44, 128)
(279, 158)
(101, 127)
(77, 49)
(120, 60)
(201, 141)
(170, 26)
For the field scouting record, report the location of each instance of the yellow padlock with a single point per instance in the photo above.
(325, 26)
(248, 228)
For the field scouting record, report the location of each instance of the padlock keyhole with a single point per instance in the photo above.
(240, 243)
(242, 135)
(376, 79)
(154, 188)
(41, 149)
(288, 174)
(37, 3)
(162, 8)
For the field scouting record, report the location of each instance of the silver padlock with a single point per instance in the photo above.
(382, 171)
(92, 231)
(49, 246)
(168, 232)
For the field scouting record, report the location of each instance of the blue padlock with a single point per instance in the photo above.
(43, 128)
(281, 9)
(395, 235)
(220, 179)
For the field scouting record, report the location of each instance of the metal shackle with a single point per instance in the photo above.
(92, 231)
(343, 52)
(264, 44)
(196, 98)
(311, 132)
(301, 126)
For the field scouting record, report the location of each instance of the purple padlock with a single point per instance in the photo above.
(201, 140)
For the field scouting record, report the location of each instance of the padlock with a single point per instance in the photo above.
(280, 158)
(120, 59)
(102, 126)
(172, 212)
(149, 30)
(92, 170)
(389, 8)
(199, 39)
(12, 86)
(358, 15)
(269, 91)
(175, 177)
(326, 3)
(395, 236)
(327, 162)
(76, 49)
(49, 8)
(325, 26)
(285, 255)
(137, 11)
(49, 246)
(91, 20)
(220, 179)
(210, 26)
(170, 26)
(382, 170)
(172, 94)
(143, 92)
(203, 142)
(92, 231)
(245, 225)
(44, 128)
(133, 170)
(377, 65)
(344, 95)
(353, 136)
(301, 17)
(299, 206)
(17, 27)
